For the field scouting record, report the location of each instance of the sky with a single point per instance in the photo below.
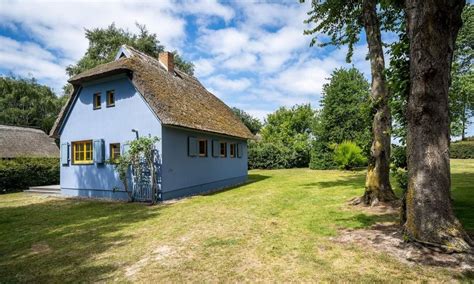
(252, 55)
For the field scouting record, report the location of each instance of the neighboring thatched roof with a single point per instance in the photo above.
(177, 99)
(25, 142)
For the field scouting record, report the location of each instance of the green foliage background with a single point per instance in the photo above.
(24, 102)
(345, 115)
(285, 139)
(20, 173)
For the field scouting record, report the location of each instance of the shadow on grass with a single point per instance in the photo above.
(355, 181)
(361, 221)
(467, 275)
(252, 178)
(59, 240)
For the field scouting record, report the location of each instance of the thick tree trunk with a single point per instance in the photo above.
(432, 30)
(377, 185)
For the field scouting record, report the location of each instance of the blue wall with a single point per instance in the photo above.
(113, 124)
(184, 175)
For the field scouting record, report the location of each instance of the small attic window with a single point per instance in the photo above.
(110, 98)
(97, 103)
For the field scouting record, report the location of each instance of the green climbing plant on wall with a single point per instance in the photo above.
(141, 150)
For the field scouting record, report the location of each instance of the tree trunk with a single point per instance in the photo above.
(377, 185)
(432, 30)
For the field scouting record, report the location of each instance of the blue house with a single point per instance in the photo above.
(202, 146)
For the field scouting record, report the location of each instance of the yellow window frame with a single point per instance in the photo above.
(114, 151)
(82, 152)
(97, 101)
(110, 95)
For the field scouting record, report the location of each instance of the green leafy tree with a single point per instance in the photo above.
(345, 115)
(105, 43)
(24, 102)
(252, 123)
(342, 21)
(291, 128)
(461, 93)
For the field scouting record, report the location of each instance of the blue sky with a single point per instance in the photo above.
(252, 55)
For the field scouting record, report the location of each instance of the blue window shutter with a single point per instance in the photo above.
(192, 146)
(216, 148)
(65, 154)
(99, 151)
(239, 150)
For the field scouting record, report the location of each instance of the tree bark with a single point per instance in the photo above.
(432, 30)
(377, 185)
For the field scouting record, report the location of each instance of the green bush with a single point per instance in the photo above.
(20, 173)
(265, 155)
(462, 150)
(398, 166)
(348, 155)
(322, 157)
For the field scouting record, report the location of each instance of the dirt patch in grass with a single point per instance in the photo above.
(161, 253)
(387, 237)
(40, 248)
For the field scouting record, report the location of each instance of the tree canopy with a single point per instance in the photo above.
(461, 93)
(345, 115)
(252, 123)
(286, 139)
(104, 44)
(24, 102)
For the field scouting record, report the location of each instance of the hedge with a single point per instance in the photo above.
(462, 150)
(20, 173)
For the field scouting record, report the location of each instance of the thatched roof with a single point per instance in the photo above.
(25, 142)
(178, 99)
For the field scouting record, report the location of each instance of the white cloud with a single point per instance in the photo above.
(252, 55)
(221, 82)
(29, 59)
(226, 42)
(208, 8)
(203, 67)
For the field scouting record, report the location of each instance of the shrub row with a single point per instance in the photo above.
(462, 150)
(20, 173)
(268, 155)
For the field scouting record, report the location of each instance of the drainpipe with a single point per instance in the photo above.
(136, 133)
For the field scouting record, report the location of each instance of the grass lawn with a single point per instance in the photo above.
(276, 228)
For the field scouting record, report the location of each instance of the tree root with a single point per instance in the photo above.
(451, 244)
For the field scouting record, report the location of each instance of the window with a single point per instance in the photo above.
(114, 151)
(82, 152)
(223, 151)
(97, 103)
(110, 98)
(233, 150)
(202, 147)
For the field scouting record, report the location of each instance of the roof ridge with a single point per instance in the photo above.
(176, 68)
(23, 128)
